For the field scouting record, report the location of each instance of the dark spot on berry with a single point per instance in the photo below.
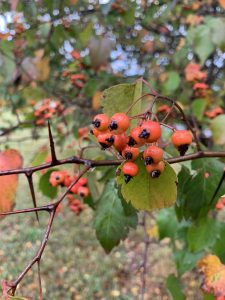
(131, 141)
(57, 177)
(155, 173)
(110, 139)
(182, 149)
(113, 125)
(149, 161)
(128, 155)
(82, 194)
(96, 123)
(104, 146)
(91, 131)
(127, 178)
(144, 134)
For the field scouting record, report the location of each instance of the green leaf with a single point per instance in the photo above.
(119, 98)
(186, 260)
(45, 187)
(39, 157)
(86, 34)
(148, 193)
(129, 16)
(217, 27)
(167, 223)
(172, 82)
(113, 221)
(202, 46)
(218, 247)
(202, 235)
(217, 127)
(173, 285)
(198, 107)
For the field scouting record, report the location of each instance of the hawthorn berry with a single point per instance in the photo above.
(152, 154)
(101, 122)
(120, 141)
(57, 178)
(151, 131)
(119, 123)
(83, 191)
(134, 139)
(181, 139)
(82, 181)
(130, 153)
(155, 169)
(105, 140)
(95, 132)
(129, 170)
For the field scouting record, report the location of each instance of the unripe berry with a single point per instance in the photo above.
(155, 169)
(130, 153)
(105, 140)
(151, 131)
(101, 122)
(134, 139)
(83, 191)
(181, 139)
(120, 141)
(152, 154)
(120, 122)
(129, 170)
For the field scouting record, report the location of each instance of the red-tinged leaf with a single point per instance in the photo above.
(214, 276)
(9, 159)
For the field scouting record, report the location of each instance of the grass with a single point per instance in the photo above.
(74, 266)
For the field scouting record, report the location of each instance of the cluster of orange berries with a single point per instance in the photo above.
(46, 109)
(112, 132)
(64, 179)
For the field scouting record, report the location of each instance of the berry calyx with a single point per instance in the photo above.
(134, 139)
(152, 154)
(155, 170)
(101, 122)
(105, 140)
(119, 123)
(130, 153)
(120, 141)
(129, 170)
(181, 139)
(151, 131)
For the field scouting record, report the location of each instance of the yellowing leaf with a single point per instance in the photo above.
(96, 100)
(213, 275)
(222, 3)
(9, 159)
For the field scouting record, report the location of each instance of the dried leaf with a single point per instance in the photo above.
(213, 276)
(9, 159)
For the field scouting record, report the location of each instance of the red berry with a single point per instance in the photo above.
(134, 140)
(57, 177)
(219, 205)
(83, 191)
(120, 122)
(130, 153)
(181, 139)
(101, 122)
(82, 181)
(151, 131)
(129, 170)
(75, 188)
(95, 132)
(155, 169)
(120, 141)
(152, 154)
(105, 140)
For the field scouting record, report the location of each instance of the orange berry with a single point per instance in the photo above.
(57, 178)
(181, 139)
(151, 131)
(120, 141)
(129, 170)
(120, 122)
(155, 169)
(134, 139)
(83, 191)
(105, 140)
(83, 181)
(101, 122)
(130, 153)
(95, 132)
(152, 154)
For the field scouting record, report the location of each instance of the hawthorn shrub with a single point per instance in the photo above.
(140, 149)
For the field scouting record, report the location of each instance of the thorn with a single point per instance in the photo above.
(30, 181)
(52, 145)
